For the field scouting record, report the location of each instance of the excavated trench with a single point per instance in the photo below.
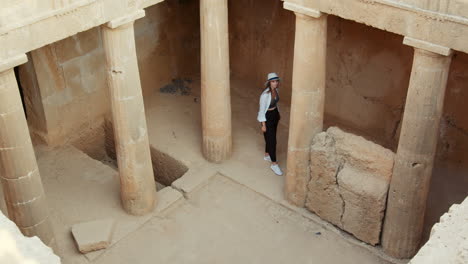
(166, 169)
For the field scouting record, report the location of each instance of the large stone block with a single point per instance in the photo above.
(349, 182)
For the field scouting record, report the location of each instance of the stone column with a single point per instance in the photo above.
(414, 159)
(308, 99)
(22, 186)
(215, 83)
(137, 184)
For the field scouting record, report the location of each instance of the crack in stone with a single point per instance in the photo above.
(343, 203)
(309, 170)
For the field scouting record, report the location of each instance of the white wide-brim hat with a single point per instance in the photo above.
(271, 77)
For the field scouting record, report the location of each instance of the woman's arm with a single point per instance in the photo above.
(262, 106)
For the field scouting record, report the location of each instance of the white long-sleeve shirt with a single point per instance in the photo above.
(265, 101)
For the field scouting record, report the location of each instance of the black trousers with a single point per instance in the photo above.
(272, 120)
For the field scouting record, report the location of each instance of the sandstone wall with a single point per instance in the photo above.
(168, 43)
(65, 86)
(71, 83)
(261, 37)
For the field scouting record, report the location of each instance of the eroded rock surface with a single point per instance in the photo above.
(349, 182)
(18, 249)
(449, 239)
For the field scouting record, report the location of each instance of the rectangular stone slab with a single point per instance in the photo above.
(93, 235)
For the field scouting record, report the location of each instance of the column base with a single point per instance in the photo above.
(297, 177)
(217, 149)
(42, 230)
(141, 206)
(399, 247)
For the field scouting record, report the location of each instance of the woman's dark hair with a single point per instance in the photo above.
(267, 87)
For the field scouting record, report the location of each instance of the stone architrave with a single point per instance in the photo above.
(308, 99)
(22, 186)
(137, 184)
(215, 80)
(414, 160)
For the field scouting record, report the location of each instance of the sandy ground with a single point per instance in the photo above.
(237, 216)
(225, 222)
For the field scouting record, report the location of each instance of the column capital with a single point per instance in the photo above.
(427, 46)
(12, 62)
(125, 19)
(298, 9)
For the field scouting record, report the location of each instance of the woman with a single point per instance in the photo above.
(269, 116)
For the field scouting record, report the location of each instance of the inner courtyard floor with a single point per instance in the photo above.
(226, 222)
(232, 212)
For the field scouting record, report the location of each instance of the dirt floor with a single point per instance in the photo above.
(225, 222)
(228, 213)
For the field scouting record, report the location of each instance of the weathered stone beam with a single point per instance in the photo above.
(404, 19)
(32, 33)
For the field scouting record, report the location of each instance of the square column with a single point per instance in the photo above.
(215, 80)
(22, 186)
(308, 98)
(414, 160)
(137, 184)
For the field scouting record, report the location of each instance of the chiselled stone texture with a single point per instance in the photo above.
(349, 182)
(449, 239)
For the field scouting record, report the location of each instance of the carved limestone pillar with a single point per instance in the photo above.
(22, 186)
(138, 190)
(215, 82)
(308, 98)
(414, 159)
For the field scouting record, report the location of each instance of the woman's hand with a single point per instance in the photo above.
(263, 128)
